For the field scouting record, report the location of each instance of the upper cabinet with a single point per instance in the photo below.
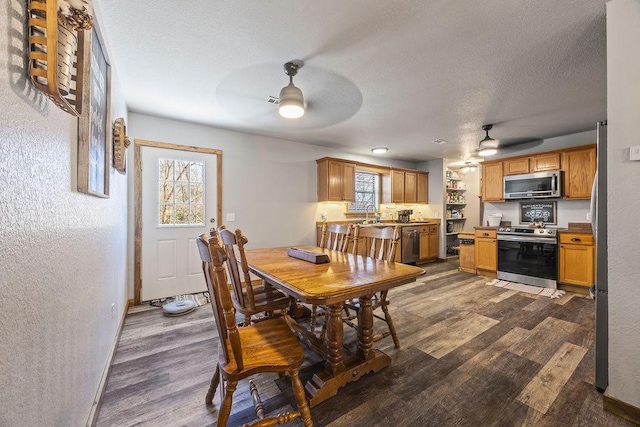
(336, 181)
(545, 162)
(579, 171)
(492, 182)
(578, 164)
(531, 164)
(408, 186)
(516, 166)
(422, 195)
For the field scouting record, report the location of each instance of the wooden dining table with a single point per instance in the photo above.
(344, 277)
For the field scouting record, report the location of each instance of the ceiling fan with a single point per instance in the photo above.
(489, 146)
(258, 95)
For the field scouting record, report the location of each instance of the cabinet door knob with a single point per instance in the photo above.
(485, 234)
(576, 239)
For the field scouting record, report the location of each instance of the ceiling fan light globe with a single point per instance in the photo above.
(291, 102)
(487, 152)
(291, 111)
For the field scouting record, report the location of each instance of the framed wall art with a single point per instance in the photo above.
(94, 140)
(536, 211)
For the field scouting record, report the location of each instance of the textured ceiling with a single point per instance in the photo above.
(376, 73)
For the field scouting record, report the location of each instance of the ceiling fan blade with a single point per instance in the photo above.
(514, 146)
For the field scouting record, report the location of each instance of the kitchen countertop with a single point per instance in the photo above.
(435, 221)
(483, 227)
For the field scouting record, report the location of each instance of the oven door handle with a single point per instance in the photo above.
(525, 239)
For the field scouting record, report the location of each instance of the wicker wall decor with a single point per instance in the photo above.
(57, 52)
(120, 144)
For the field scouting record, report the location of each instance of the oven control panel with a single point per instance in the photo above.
(528, 231)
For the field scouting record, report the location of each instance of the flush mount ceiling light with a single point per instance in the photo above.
(291, 100)
(486, 147)
(379, 150)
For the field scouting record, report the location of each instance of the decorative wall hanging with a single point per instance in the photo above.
(120, 144)
(94, 141)
(57, 50)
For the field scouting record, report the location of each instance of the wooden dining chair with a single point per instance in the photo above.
(336, 237)
(267, 346)
(250, 298)
(379, 243)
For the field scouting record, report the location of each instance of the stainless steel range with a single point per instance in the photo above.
(528, 255)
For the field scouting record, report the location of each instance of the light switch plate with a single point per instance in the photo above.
(231, 217)
(634, 152)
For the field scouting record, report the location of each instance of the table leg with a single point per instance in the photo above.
(365, 329)
(339, 372)
(334, 340)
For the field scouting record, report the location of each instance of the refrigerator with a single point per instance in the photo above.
(601, 288)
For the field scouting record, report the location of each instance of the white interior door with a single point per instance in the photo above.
(179, 198)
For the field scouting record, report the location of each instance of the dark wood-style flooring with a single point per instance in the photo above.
(472, 355)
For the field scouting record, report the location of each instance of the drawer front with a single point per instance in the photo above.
(486, 233)
(428, 229)
(576, 239)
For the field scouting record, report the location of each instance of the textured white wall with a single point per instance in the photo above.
(623, 204)
(63, 254)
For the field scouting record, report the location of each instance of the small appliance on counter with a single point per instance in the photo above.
(404, 215)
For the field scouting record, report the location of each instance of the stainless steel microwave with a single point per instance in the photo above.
(539, 185)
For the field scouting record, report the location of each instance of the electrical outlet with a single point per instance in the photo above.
(231, 217)
(113, 310)
(634, 152)
(588, 216)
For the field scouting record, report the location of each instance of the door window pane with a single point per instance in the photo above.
(180, 192)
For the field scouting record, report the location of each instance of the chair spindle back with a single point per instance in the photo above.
(376, 242)
(213, 258)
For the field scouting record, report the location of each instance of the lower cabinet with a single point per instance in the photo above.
(467, 252)
(486, 252)
(429, 242)
(576, 265)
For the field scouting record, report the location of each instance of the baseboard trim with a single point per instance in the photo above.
(131, 302)
(91, 421)
(621, 409)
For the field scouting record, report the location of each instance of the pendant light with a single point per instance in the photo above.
(291, 100)
(483, 150)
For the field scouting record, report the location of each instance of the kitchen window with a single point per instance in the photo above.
(367, 190)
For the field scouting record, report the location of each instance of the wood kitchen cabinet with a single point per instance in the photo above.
(579, 171)
(516, 166)
(545, 162)
(429, 242)
(408, 186)
(486, 252)
(492, 182)
(422, 188)
(576, 264)
(467, 252)
(336, 181)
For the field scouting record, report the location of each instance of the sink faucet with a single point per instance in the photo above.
(366, 213)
